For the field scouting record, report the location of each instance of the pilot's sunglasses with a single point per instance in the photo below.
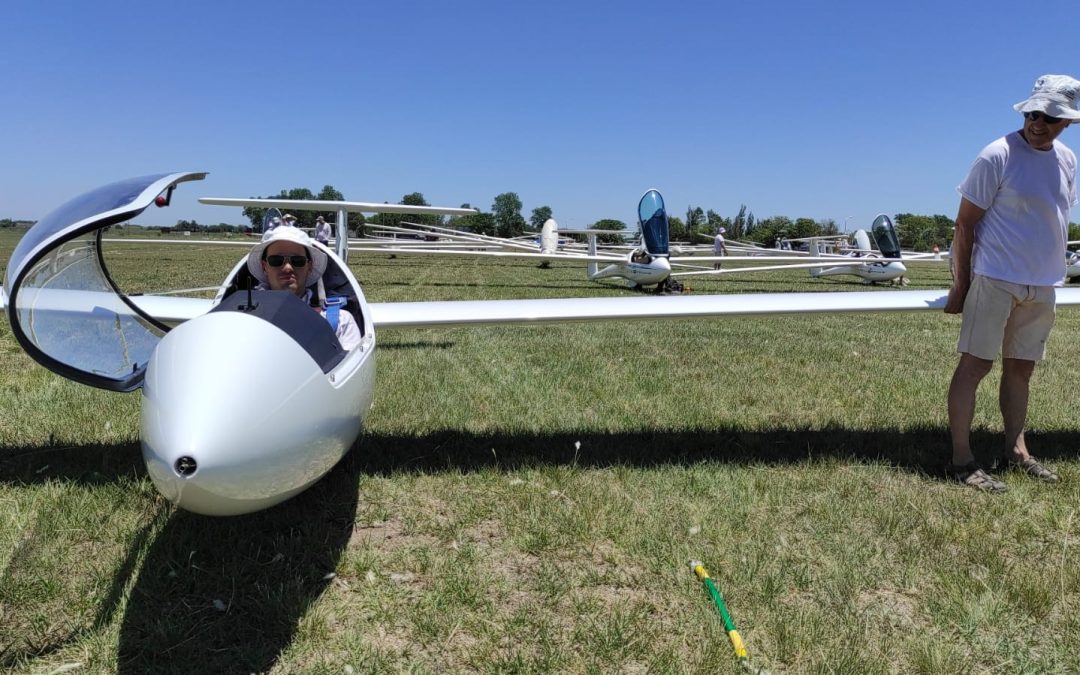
(279, 260)
(1036, 115)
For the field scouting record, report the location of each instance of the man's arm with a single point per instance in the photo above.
(348, 333)
(963, 240)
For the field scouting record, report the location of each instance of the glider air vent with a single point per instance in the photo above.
(185, 466)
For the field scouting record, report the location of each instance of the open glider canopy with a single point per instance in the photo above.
(108, 342)
(653, 220)
(885, 237)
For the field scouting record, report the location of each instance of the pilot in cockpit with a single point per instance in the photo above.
(286, 260)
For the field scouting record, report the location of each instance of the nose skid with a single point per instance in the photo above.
(233, 426)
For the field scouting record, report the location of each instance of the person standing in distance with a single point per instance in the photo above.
(322, 231)
(1008, 255)
(719, 248)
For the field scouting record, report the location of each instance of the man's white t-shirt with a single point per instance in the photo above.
(1027, 195)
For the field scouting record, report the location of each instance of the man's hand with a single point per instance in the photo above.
(955, 302)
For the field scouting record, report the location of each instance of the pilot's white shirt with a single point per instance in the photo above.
(348, 333)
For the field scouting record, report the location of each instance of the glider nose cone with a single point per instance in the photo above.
(226, 427)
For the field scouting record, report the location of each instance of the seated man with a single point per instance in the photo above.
(285, 260)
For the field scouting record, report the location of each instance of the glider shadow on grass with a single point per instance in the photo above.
(221, 594)
(202, 594)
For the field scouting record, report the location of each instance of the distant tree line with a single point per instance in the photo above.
(22, 224)
(193, 226)
(916, 232)
(306, 218)
(505, 219)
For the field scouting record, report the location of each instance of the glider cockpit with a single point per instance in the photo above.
(334, 284)
(292, 316)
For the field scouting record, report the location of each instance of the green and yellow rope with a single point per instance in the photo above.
(729, 624)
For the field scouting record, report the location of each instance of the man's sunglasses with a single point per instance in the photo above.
(279, 260)
(1037, 115)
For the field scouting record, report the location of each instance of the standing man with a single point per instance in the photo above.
(719, 248)
(322, 231)
(1008, 255)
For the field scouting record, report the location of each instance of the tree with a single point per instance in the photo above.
(539, 216)
(739, 228)
(329, 194)
(713, 223)
(695, 221)
(922, 233)
(480, 223)
(354, 221)
(507, 211)
(676, 229)
(768, 230)
(609, 224)
(828, 227)
(417, 199)
(397, 219)
(404, 219)
(804, 227)
(303, 218)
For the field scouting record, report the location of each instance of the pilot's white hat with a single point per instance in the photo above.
(296, 236)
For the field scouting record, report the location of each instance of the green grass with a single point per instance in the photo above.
(526, 500)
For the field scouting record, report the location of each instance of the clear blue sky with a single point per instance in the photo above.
(835, 110)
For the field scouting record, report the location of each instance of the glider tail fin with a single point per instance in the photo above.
(549, 237)
(862, 242)
(816, 251)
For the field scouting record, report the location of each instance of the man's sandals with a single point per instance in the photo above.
(971, 474)
(1030, 466)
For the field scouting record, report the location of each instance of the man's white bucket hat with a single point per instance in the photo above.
(296, 236)
(1055, 95)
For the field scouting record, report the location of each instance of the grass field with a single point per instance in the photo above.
(526, 500)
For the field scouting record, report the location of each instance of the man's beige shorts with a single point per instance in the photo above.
(1000, 316)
